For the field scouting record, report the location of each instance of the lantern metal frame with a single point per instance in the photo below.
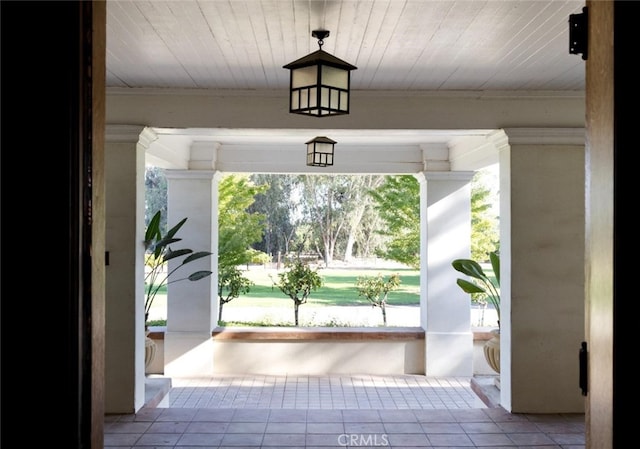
(319, 83)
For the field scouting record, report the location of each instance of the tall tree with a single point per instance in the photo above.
(359, 202)
(485, 235)
(397, 201)
(327, 204)
(278, 205)
(155, 196)
(238, 229)
(368, 237)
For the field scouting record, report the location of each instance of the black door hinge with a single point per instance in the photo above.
(583, 358)
(579, 33)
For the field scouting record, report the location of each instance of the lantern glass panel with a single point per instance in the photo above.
(323, 147)
(335, 99)
(344, 102)
(304, 76)
(335, 77)
(324, 98)
(312, 100)
(295, 99)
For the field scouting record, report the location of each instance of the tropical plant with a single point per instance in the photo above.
(297, 282)
(481, 284)
(376, 290)
(159, 252)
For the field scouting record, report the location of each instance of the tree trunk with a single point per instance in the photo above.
(384, 313)
(296, 306)
(220, 312)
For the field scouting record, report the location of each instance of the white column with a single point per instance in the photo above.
(445, 207)
(192, 307)
(124, 292)
(542, 249)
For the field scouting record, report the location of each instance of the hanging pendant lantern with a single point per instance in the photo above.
(319, 82)
(320, 152)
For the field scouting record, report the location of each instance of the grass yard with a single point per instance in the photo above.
(336, 303)
(338, 290)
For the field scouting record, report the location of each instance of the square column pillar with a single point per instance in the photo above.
(542, 249)
(445, 208)
(192, 307)
(124, 271)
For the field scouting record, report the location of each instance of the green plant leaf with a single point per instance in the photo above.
(495, 265)
(174, 230)
(170, 254)
(469, 267)
(153, 230)
(199, 275)
(484, 285)
(195, 256)
(159, 252)
(469, 287)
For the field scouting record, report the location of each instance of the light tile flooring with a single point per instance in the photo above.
(335, 412)
(324, 392)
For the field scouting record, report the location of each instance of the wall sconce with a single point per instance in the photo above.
(320, 152)
(319, 82)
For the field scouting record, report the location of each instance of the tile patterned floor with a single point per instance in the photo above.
(314, 412)
(324, 392)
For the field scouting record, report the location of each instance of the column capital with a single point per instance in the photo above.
(435, 157)
(444, 176)
(546, 136)
(124, 133)
(191, 174)
(203, 155)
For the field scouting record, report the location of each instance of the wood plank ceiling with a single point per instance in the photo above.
(396, 44)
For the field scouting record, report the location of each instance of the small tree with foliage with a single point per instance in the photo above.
(376, 290)
(297, 282)
(231, 284)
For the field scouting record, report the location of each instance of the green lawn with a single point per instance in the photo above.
(338, 290)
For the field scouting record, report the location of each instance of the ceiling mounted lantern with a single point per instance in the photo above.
(320, 152)
(319, 82)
